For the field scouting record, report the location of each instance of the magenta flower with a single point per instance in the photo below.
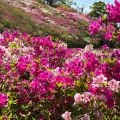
(118, 37)
(109, 95)
(108, 35)
(93, 88)
(100, 20)
(105, 47)
(3, 100)
(94, 27)
(114, 12)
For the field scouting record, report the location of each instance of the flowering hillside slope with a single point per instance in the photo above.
(71, 27)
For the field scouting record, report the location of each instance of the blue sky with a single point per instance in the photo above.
(87, 3)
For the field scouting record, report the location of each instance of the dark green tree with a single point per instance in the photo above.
(51, 2)
(67, 2)
(97, 9)
(58, 2)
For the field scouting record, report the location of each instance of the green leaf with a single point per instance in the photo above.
(10, 116)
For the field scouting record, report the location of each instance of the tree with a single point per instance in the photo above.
(97, 9)
(58, 2)
(50, 2)
(67, 2)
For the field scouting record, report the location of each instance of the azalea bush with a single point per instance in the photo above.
(109, 25)
(45, 80)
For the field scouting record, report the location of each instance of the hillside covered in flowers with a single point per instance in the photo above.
(40, 19)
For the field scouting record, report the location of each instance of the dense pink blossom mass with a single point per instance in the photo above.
(114, 12)
(45, 79)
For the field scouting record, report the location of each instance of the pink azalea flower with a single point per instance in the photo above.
(101, 98)
(108, 35)
(3, 100)
(118, 37)
(101, 79)
(94, 27)
(100, 20)
(93, 88)
(66, 115)
(87, 96)
(114, 85)
(109, 95)
(105, 46)
(78, 98)
(88, 48)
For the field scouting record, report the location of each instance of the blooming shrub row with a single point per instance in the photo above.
(45, 80)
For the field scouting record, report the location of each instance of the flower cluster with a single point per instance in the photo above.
(114, 12)
(3, 100)
(94, 27)
(109, 23)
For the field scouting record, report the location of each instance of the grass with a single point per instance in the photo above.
(13, 18)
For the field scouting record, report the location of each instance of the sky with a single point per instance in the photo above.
(87, 3)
